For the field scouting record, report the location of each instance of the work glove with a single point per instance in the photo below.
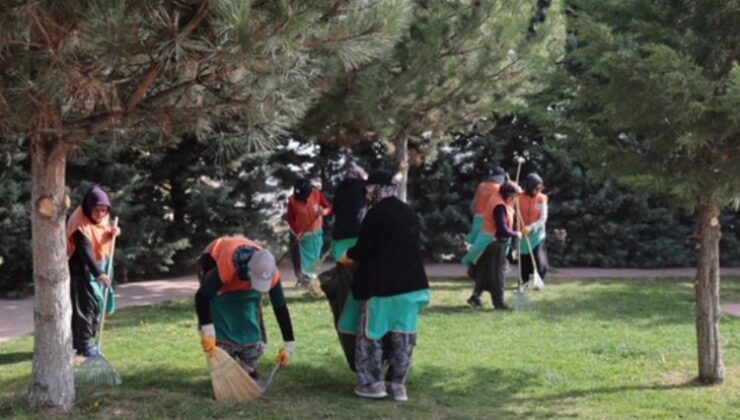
(525, 231)
(345, 261)
(208, 338)
(286, 353)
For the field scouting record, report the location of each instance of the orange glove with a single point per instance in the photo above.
(208, 338)
(345, 261)
(286, 353)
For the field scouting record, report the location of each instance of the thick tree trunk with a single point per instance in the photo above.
(711, 366)
(402, 161)
(52, 377)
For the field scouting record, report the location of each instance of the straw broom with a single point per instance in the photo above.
(231, 383)
(96, 369)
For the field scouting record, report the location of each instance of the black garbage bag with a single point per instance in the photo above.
(336, 283)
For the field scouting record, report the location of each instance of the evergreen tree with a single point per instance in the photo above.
(242, 72)
(653, 97)
(459, 61)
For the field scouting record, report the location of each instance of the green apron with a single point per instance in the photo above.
(310, 249)
(237, 317)
(474, 229)
(340, 247)
(99, 290)
(399, 313)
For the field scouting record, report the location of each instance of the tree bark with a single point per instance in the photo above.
(711, 366)
(52, 377)
(402, 161)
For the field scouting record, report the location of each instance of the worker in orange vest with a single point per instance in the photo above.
(533, 209)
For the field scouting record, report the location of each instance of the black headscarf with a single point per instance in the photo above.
(302, 189)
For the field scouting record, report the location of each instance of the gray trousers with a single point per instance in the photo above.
(395, 349)
(247, 356)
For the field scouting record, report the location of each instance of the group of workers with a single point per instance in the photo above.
(507, 220)
(376, 239)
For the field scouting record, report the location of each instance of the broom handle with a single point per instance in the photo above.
(519, 218)
(531, 251)
(105, 292)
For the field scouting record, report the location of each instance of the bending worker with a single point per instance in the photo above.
(233, 273)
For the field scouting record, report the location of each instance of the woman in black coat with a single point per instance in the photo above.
(390, 286)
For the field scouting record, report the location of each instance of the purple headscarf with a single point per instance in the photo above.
(94, 197)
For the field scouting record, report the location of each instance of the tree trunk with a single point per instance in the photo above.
(402, 160)
(711, 366)
(52, 377)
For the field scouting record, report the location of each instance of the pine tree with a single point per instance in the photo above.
(459, 61)
(237, 71)
(653, 97)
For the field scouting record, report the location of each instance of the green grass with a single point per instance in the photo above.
(588, 349)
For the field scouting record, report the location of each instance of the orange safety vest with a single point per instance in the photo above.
(222, 251)
(489, 224)
(306, 214)
(98, 235)
(485, 190)
(531, 207)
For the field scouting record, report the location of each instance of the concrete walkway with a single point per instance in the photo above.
(17, 315)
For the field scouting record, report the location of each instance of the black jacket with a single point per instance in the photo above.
(388, 252)
(349, 206)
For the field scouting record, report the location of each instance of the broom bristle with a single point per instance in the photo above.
(96, 370)
(522, 300)
(538, 283)
(231, 383)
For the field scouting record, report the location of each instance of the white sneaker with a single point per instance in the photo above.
(397, 391)
(374, 391)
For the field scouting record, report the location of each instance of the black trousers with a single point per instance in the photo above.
(84, 312)
(489, 272)
(540, 257)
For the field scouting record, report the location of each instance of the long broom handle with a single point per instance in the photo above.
(105, 292)
(516, 205)
(529, 244)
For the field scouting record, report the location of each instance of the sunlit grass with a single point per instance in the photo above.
(589, 349)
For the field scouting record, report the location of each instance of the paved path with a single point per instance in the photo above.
(16, 318)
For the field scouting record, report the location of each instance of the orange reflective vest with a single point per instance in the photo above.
(306, 214)
(531, 207)
(485, 191)
(222, 251)
(98, 234)
(489, 224)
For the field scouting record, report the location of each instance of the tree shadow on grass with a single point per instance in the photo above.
(658, 304)
(17, 357)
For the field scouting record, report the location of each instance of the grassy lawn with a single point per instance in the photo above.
(585, 349)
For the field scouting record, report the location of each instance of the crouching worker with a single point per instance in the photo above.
(389, 289)
(233, 273)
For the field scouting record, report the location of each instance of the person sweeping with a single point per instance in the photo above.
(485, 190)
(89, 246)
(533, 206)
(233, 273)
(389, 289)
(306, 208)
(487, 257)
